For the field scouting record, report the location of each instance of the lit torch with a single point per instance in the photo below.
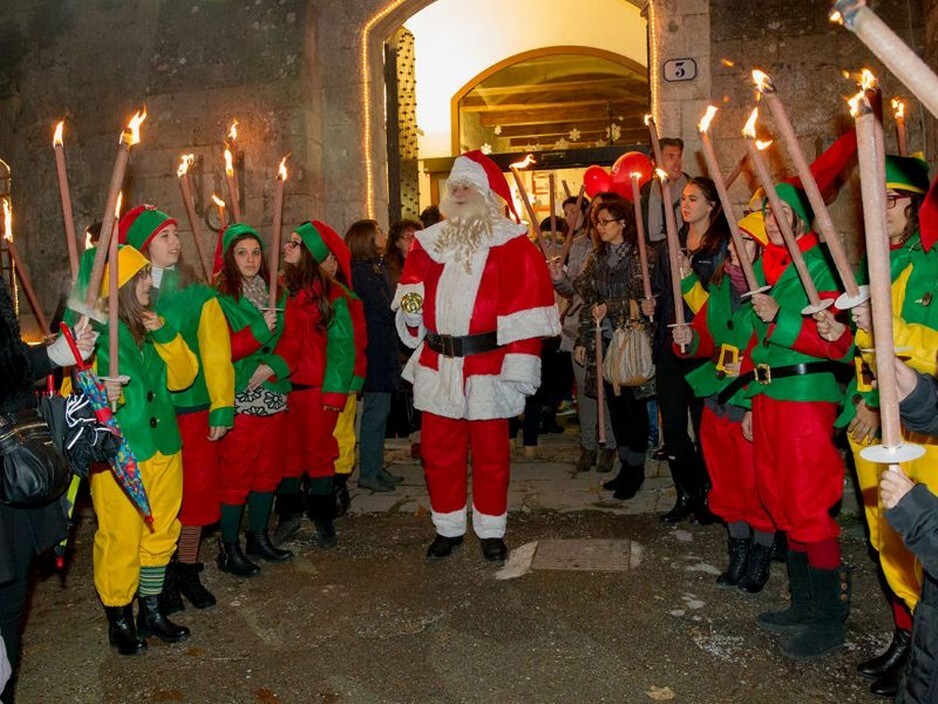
(113, 257)
(635, 177)
(231, 177)
(529, 209)
(277, 234)
(20, 269)
(187, 200)
(65, 198)
(674, 247)
(898, 109)
(222, 218)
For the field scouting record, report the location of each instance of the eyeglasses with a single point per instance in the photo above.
(891, 200)
(602, 222)
(291, 244)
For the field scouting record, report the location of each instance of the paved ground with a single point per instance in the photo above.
(599, 603)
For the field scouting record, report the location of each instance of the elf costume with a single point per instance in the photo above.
(208, 403)
(252, 453)
(129, 556)
(321, 361)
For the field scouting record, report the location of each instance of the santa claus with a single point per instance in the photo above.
(475, 299)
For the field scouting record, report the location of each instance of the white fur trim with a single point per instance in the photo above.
(403, 290)
(450, 525)
(525, 324)
(456, 294)
(465, 170)
(403, 330)
(524, 369)
(486, 526)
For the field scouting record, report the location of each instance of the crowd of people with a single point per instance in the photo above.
(251, 395)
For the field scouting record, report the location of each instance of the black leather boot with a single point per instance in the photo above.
(342, 498)
(634, 477)
(259, 545)
(494, 550)
(757, 571)
(191, 587)
(875, 667)
(683, 507)
(233, 561)
(121, 632)
(151, 621)
(442, 547)
(321, 510)
(830, 606)
(796, 616)
(289, 510)
(170, 599)
(738, 551)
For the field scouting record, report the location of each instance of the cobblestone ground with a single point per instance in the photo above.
(600, 602)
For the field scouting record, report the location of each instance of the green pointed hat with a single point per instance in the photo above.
(906, 173)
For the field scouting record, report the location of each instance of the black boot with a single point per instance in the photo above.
(289, 510)
(170, 599)
(830, 606)
(796, 616)
(121, 632)
(683, 507)
(887, 684)
(233, 561)
(757, 571)
(258, 545)
(898, 651)
(442, 547)
(151, 621)
(780, 547)
(738, 550)
(321, 511)
(634, 477)
(494, 550)
(342, 498)
(191, 586)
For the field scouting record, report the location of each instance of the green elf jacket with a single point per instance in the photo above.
(252, 344)
(792, 338)
(164, 363)
(196, 313)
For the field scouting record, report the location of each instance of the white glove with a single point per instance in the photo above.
(60, 353)
(413, 320)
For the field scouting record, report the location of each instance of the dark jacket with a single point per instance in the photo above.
(919, 410)
(372, 283)
(20, 367)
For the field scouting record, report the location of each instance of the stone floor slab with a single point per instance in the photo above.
(588, 555)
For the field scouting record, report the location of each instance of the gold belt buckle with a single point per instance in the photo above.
(729, 354)
(764, 374)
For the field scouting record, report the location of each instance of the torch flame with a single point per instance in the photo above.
(858, 102)
(704, 123)
(229, 167)
(57, 137)
(867, 80)
(649, 118)
(898, 108)
(836, 17)
(762, 145)
(763, 82)
(749, 130)
(7, 221)
(133, 127)
(661, 174)
(528, 160)
(185, 161)
(88, 242)
(233, 130)
(218, 201)
(117, 206)
(282, 170)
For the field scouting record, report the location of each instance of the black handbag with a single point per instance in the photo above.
(33, 471)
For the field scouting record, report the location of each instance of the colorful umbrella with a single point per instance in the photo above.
(124, 463)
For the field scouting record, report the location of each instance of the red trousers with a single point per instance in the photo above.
(201, 488)
(252, 455)
(445, 446)
(311, 444)
(799, 472)
(729, 459)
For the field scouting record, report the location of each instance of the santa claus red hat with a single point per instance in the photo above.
(483, 173)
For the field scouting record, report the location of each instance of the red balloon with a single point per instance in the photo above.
(596, 180)
(625, 166)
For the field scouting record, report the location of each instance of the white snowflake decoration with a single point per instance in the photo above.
(498, 129)
(574, 135)
(616, 132)
(486, 148)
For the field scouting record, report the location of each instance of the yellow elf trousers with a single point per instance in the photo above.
(344, 433)
(123, 542)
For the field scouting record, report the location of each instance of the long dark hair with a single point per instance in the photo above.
(620, 210)
(912, 213)
(228, 280)
(307, 274)
(718, 231)
(598, 203)
(129, 308)
(360, 238)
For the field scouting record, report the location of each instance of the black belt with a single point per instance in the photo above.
(765, 374)
(462, 345)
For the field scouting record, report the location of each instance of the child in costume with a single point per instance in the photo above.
(252, 453)
(205, 410)
(129, 556)
(318, 345)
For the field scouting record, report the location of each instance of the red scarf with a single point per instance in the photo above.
(776, 258)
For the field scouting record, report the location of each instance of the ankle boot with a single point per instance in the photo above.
(830, 606)
(757, 571)
(342, 498)
(796, 616)
(738, 551)
(152, 621)
(683, 507)
(586, 460)
(170, 600)
(898, 650)
(258, 545)
(631, 482)
(233, 561)
(289, 510)
(321, 510)
(121, 632)
(191, 587)
(606, 459)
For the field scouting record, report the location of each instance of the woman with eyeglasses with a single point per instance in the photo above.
(252, 453)
(319, 346)
(609, 284)
(400, 240)
(915, 329)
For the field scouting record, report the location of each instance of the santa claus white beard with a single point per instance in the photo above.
(467, 226)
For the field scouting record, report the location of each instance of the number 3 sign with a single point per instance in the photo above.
(680, 70)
